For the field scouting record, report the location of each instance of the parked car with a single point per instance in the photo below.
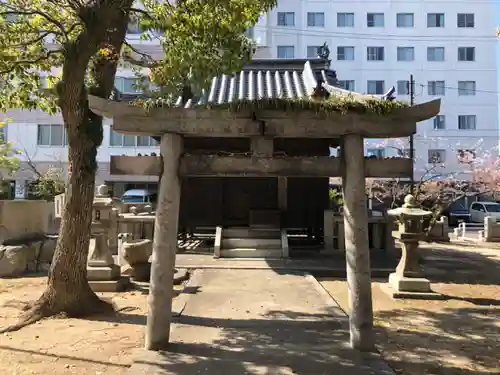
(140, 196)
(479, 210)
(457, 215)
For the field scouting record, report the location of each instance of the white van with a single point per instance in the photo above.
(140, 196)
(479, 210)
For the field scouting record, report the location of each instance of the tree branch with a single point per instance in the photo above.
(146, 61)
(30, 163)
(50, 19)
(38, 60)
(141, 11)
(33, 41)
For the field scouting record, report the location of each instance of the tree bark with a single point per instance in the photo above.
(68, 289)
(357, 245)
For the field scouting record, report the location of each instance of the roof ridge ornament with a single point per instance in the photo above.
(324, 51)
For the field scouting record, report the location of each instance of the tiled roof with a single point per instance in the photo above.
(265, 78)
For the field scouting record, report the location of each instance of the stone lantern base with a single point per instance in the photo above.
(106, 278)
(400, 286)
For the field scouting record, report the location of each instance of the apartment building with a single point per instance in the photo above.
(449, 47)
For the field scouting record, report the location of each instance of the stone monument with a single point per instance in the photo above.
(102, 272)
(407, 281)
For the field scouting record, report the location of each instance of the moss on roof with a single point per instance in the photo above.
(336, 103)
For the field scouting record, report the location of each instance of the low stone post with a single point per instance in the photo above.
(489, 224)
(407, 281)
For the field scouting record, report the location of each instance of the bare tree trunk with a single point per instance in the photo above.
(68, 290)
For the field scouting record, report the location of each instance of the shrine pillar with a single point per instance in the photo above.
(357, 243)
(164, 244)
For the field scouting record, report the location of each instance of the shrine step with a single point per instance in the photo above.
(251, 253)
(258, 243)
(250, 233)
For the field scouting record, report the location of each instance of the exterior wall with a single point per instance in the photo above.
(19, 217)
(484, 70)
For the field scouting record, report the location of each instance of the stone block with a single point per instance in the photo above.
(16, 260)
(47, 251)
(103, 273)
(137, 251)
(141, 271)
(411, 295)
(117, 285)
(409, 284)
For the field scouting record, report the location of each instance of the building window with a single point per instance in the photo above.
(435, 53)
(286, 52)
(250, 32)
(436, 156)
(345, 53)
(120, 140)
(436, 88)
(52, 135)
(345, 19)
(465, 20)
(375, 19)
(375, 53)
(129, 85)
(377, 152)
(435, 19)
(146, 141)
(466, 156)
(313, 51)
(286, 19)
(316, 19)
(404, 20)
(406, 53)
(467, 122)
(375, 87)
(466, 53)
(466, 88)
(347, 84)
(403, 88)
(439, 122)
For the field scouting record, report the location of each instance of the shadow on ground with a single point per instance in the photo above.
(462, 341)
(286, 342)
(447, 265)
(61, 356)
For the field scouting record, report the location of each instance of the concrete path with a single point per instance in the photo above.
(259, 322)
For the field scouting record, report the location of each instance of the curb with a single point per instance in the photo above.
(374, 363)
(179, 303)
(327, 297)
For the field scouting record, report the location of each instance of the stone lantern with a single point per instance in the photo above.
(407, 281)
(102, 272)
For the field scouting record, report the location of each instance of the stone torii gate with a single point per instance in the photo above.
(263, 120)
